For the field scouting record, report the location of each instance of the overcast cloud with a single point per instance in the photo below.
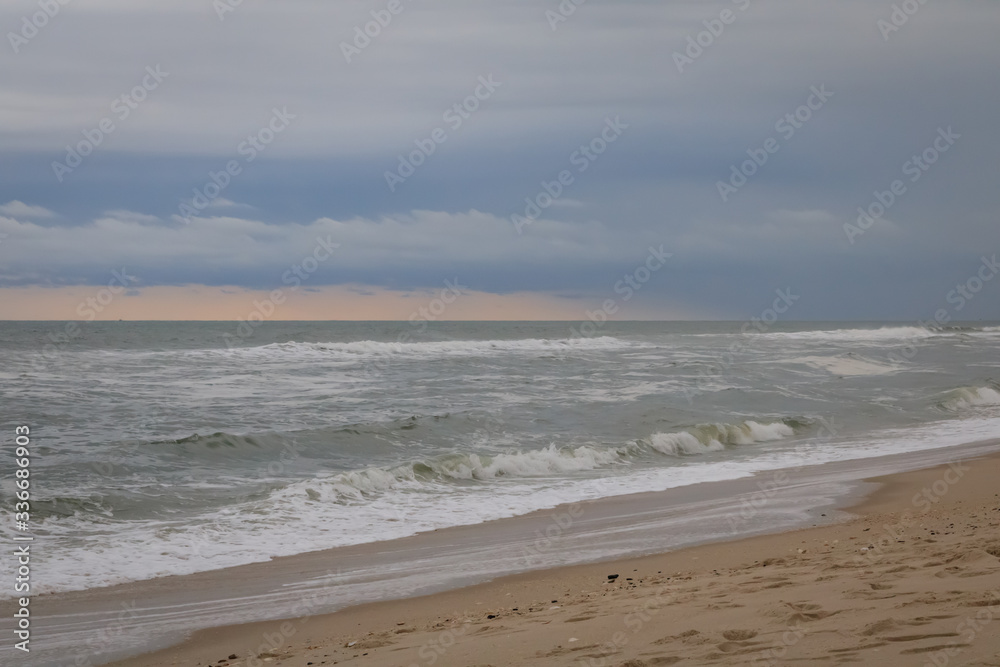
(204, 92)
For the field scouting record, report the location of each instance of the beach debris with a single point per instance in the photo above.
(490, 616)
(233, 656)
(612, 577)
(350, 644)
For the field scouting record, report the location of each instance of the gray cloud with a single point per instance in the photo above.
(325, 174)
(21, 210)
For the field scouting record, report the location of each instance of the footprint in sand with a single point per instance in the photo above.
(851, 650)
(937, 647)
(375, 641)
(878, 627)
(691, 637)
(738, 648)
(989, 602)
(948, 572)
(806, 611)
(916, 638)
(560, 650)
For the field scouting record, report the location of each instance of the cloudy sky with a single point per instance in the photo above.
(371, 169)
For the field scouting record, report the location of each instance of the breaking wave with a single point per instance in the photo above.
(883, 333)
(965, 398)
(550, 461)
(715, 437)
(368, 349)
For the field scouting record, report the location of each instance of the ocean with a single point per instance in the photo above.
(162, 448)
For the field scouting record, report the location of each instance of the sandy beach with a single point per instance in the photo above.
(912, 579)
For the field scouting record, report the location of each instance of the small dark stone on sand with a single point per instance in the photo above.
(612, 577)
(233, 656)
(491, 616)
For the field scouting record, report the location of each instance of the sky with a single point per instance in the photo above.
(630, 159)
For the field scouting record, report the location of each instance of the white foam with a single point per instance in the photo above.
(83, 554)
(883, 333)
(846, 335)
(370, 349)
(845, 365)
(768, 432)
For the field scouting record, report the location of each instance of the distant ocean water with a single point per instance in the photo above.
(159, 450)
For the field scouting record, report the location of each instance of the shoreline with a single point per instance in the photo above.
(793, 592)
(798, 500)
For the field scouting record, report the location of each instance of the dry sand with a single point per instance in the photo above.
(914, 580)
